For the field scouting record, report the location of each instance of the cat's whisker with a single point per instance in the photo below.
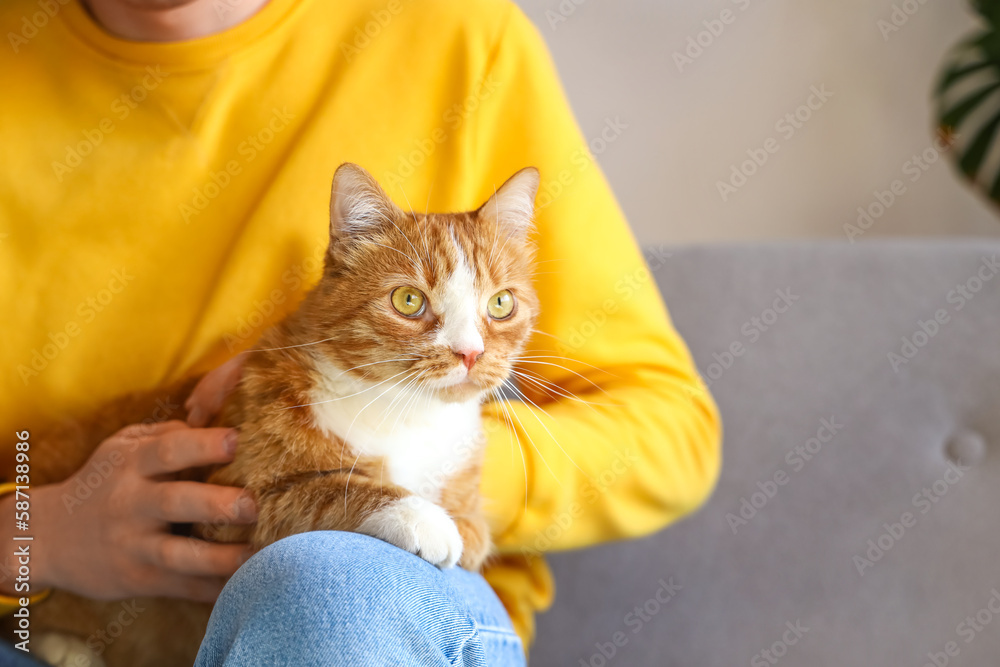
(542, 424)
(528, 360)
(373, 363)
(546, 333)
(414, 216)
(407, 200)
(430, 189)
(513, 435)
(552, 385)
(371, 402)
(570, 359)
(389, 247)
(510, 416)
(422, 227)
(422, 394)
(496, 228)
(532, 441)
(340, 398)
(347, 485)
(505, 242)
(552, 389)
(393, 223)
(286, 347)
(345, 439)
(504, 246)
(405, 237)
(403, 394)
(414, 400)
(496, 204)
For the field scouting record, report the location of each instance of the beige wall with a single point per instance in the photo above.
(688, 127)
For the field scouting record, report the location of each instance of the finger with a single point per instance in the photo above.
(210, 393)
(194, 557)
(197, 502)
(185, 448)
(149, 429)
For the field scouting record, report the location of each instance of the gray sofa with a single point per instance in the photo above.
(857, 518)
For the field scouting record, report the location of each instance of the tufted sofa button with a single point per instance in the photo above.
(966, 448)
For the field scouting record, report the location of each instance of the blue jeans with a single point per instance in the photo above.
(334, 598)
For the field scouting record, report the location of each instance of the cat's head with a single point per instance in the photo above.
(439, 302)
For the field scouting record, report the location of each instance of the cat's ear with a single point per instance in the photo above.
(358, 204)
(513, 203)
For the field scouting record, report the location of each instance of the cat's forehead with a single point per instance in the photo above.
(458, 247)
(432, 251)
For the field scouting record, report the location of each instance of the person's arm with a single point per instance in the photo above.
(639, 446)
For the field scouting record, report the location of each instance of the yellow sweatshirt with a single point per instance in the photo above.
(162, 203)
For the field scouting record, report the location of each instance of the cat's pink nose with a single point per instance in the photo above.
(469, 356)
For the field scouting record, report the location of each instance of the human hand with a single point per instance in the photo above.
(116, 542)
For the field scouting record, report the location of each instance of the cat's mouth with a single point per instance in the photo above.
(457, 378)
(461, 391)
(459, 384)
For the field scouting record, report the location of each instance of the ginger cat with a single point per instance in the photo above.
(359, 412)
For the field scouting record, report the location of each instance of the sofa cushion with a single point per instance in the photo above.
(857, 517)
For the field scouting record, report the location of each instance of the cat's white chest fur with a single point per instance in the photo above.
(423, 441)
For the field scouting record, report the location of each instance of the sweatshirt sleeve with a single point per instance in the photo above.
(614, 435)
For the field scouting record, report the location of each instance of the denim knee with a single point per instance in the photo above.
(340, 598)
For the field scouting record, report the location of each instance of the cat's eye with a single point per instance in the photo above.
(501, 305)
(408, 301)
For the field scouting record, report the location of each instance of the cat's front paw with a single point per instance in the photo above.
(418, 526)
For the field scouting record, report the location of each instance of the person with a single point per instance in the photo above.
(165, 174)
